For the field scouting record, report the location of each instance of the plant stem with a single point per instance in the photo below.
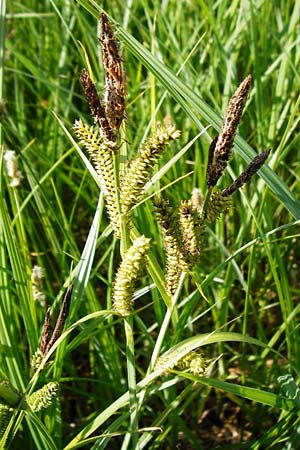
(131, 375)
(128, 326)
(162, 333)
(206, 201)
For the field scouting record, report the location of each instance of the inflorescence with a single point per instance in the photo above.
(183, 226)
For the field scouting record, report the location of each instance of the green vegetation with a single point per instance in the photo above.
(207, 356)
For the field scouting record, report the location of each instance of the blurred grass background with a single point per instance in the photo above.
(212, 46)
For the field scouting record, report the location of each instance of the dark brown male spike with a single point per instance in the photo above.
(96, 107)
(45, 334)
(62, 317)
(251, 170)
(221, 149)
(115, 89)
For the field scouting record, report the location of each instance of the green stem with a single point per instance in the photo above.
(154, 271)
(128, 326)
(131, 375)
(162, 333)
(125, 237)
(206, 202)
(166, 321)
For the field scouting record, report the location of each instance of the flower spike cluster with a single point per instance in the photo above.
(110, 113)
(127, 274)
(192, 232)
(121, 195)
(245, 176)
(47, 343)
(103, 160)
(168, 220)
(140, 169)
(42, 398)
(220, 152)
(115, 89)
(221, 147)
(184, 227)
(193, 362)
(98, 110)
(12, 400)
(183, 233)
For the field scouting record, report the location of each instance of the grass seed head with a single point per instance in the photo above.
(141, 167)
(42, 398)
(97, 108)
(127, 274)
(246, 176)
(221, 147)
(115, 88)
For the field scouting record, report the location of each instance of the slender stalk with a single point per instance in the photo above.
(206, 202)
(125, 237)
(124, 243)
(165, 324)
(132, 388)
(123, 151)
(162, 332)
(130, 353)
(128, 326)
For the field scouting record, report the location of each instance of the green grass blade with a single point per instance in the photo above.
(257, 395)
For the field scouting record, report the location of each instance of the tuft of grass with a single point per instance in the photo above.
(122, 381)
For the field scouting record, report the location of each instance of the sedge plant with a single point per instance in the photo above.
(124, 183)
(183, 227)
